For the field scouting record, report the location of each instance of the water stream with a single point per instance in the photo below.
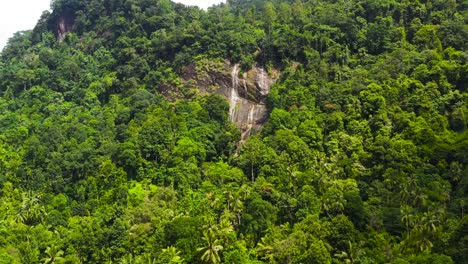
(248, 114)
(234, 100)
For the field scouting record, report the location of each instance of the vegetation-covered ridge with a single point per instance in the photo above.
(113, 149)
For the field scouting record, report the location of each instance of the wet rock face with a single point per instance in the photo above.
(64, 25)
(246, 96)
(246, 92)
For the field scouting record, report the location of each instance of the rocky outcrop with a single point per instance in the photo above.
(64, 26)
(62, 19)
(246, 98)
(246, 93)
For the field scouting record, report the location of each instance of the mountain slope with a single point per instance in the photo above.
(137, 131)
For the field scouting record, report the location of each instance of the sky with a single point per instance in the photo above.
(19, 15)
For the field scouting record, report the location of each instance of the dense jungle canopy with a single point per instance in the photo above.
(115, 146)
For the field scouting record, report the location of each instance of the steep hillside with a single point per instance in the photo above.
(144, 131)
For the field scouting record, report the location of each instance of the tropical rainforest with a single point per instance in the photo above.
(116, 148)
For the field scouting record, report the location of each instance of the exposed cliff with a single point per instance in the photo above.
(245, 91)
(64, 25)
(62, 19)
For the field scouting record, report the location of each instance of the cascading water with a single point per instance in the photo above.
(263, 82)
(234, 100)
(250, 123)
(247, 99)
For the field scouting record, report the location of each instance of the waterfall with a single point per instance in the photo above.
(250, 118)
(263, 81)
(246, 96)
(234, 100)
(247, 128)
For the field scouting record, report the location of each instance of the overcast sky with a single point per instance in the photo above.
(16, 15)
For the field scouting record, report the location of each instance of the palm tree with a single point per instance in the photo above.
(235, 205)
(146, 258)
(128, 259)
(173, 255)
(212, 248)
(212, 199)
(31, 210)
(352, 255)
(54, 255)
(266, 249)
(229, 198)
(237, 208)
(407, 218)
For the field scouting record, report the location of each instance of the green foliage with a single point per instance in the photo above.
(110, 152)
